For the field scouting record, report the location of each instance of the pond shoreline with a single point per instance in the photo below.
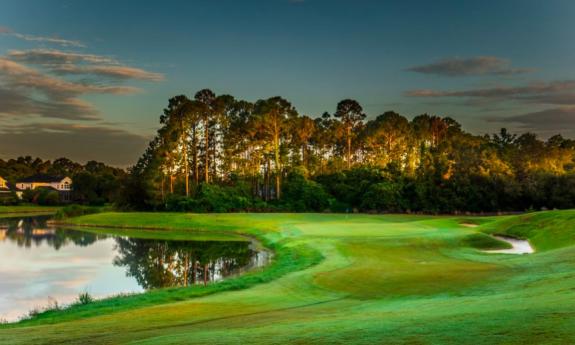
(67, 225)
(37, 231)
(283, 260)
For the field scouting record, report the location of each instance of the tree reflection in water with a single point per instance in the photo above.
(152, 263)
(29, 231)
(156, 264)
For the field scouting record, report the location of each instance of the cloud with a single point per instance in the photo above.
(18, 104)
(52, 57)
(474, 66)
(77, 142)
(42, 110)
(559, 119)
(44, 91)
(42, 39)
(116, 72)
(70, 63)
(19, 76)
(556, 92)
(26, 91)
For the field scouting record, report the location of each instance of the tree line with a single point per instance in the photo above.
(93, 183)
(218, 153)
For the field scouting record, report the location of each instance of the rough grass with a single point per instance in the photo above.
(7, 211)
(544, 230)
(383, 279)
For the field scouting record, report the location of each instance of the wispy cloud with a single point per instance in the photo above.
(474, 66)
(42, 110)
(18, 76)
(53, 57)
(555, 92)
(18, 104)
(117, 72)
(63, 63)
(42, 39)
(25, 90)
(551, 120)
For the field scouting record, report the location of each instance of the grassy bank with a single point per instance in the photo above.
(27, 210)
(346, 279)
(7, 210)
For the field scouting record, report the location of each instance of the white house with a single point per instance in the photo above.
(59, 183)
(62, 184)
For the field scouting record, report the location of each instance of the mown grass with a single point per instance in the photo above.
(484, 242)
(383, 279)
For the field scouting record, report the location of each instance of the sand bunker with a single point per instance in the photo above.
(518, 246)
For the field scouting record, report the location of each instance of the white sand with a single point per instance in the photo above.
(519, 246)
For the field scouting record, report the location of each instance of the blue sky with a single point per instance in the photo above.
(487, 64)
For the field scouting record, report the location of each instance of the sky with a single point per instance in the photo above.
(88, 80)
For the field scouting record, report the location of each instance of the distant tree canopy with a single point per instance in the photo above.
(92, 183)
(216, 153)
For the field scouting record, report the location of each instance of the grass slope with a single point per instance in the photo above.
(357, 279)
(17, 211)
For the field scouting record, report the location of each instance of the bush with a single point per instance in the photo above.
(384, 196)
(9, 199)
(212, 198)
(84, 298)
(219, 199)
(75, 211)
(47, 197)
(302, 195)
(179, 203)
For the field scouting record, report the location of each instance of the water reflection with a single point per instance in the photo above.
(38, 261)
(33, 231)
(156, 264)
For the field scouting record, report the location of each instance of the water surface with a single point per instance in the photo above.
(40, 264)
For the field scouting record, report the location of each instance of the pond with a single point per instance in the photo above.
(42, 264)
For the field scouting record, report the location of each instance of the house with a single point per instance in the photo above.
(61, 184)
(4, 189)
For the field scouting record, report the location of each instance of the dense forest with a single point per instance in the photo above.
(94, 183)
(219, 154)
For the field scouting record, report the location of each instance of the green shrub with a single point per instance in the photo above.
(47, 197)
(76, 211)
(212, 198)
(84, 298)
(302, 195)
(384, 196)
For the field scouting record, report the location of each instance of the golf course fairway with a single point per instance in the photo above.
(346, 279)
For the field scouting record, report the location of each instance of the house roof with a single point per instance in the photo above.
(41, 178)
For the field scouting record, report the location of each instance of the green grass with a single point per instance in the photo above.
(6, 211)
(359, 279)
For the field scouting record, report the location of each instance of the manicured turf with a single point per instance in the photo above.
(355, 279)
